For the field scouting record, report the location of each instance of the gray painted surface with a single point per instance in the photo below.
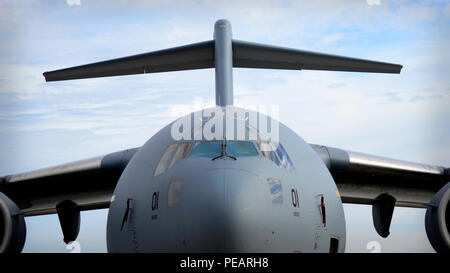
(225, 205)
(361, 177)
(89, 183)
(223, 59)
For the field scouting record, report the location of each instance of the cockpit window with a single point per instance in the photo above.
(176, 152)
(173, 154)
(182, 151)
(276, 153)
(213, 149)
(241, 148)
(165, 159)
(268, 151)
(284, 158)
(209, 149)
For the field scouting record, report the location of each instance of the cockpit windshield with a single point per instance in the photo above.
(241, 148)
(213, 149)
(176, 152)
(209, 149)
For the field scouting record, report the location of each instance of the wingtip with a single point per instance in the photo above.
(48, 77)
(45, 74)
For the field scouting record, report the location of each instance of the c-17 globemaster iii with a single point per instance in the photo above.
(225, 179)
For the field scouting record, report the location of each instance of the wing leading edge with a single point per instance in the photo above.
(88, 183)
(361, 178)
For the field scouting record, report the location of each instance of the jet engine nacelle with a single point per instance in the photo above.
(12, 226)
(437, 220)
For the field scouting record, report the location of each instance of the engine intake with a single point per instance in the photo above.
(12, 226)
(437, 220)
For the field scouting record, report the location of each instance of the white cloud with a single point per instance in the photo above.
(330, 39)
(373, 2)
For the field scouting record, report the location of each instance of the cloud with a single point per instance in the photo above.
(373, 2)
(330, 39)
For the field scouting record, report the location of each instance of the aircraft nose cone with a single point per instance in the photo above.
(226, 212)
(244, 211)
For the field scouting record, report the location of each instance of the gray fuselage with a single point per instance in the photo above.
(224, 205)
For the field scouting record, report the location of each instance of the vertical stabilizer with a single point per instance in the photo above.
(223, 60)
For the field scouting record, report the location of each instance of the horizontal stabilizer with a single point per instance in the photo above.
(252, 55)
(201, 55)
(193, 56)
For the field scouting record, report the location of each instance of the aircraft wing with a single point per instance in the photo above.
(361, 178)
(89, 183)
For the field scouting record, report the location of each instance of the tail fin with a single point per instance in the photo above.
(213, 53)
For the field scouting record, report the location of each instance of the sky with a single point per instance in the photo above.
(402, 116)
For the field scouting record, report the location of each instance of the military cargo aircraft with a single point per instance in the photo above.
(225, 179)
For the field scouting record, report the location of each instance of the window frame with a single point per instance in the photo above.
(274, 156)
(170, 164)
